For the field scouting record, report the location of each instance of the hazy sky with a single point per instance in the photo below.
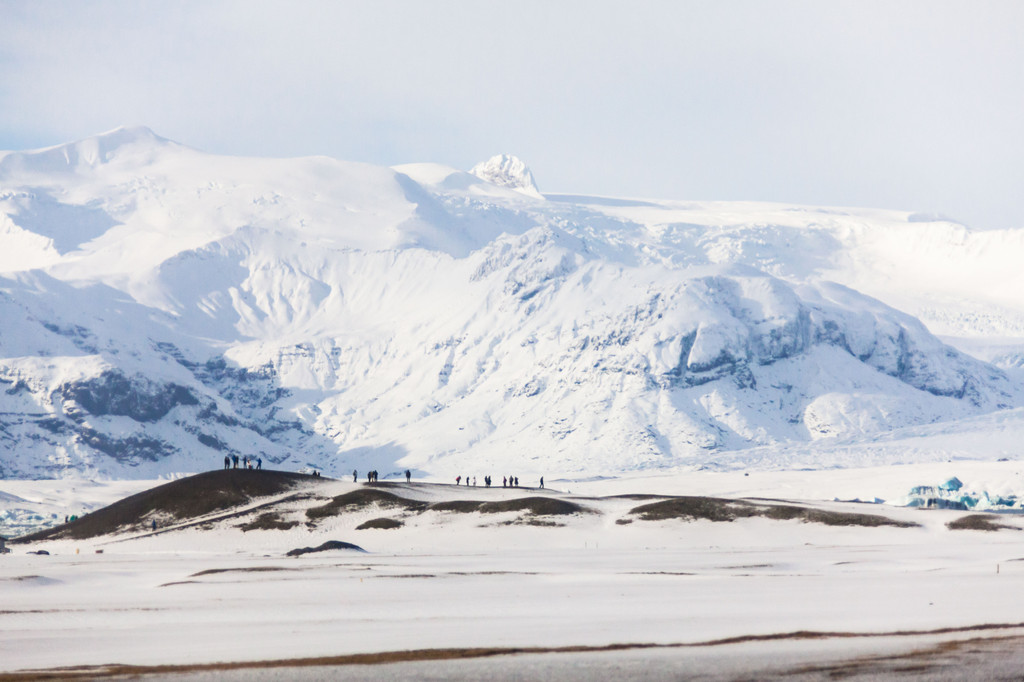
(892, 104)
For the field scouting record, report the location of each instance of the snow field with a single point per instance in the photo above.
(450, 579)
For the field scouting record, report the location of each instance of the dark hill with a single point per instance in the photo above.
(179, 500)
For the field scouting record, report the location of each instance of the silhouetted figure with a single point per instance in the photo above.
(234, 459)
(541, 481)
(517, 481)
(259, 463)
(355, 476)
(154, 524)
(227, 462)
(458, 479)
(504, 482)
(408, 475)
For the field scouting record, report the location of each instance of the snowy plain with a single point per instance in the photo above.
(454, 581)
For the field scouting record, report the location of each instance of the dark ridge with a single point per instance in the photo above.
(382, 523)
(361, 499)
(247, 569)
(716, 509)
(185, 498)
(538, 506)
(977, 522)
(330, 544)
(463, 506)
(640, 496)
(710, 508)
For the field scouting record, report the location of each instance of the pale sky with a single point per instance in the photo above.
(914, 105)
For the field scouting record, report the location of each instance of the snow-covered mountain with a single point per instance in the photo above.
(161, 307)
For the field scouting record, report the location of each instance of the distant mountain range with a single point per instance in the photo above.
(161, 308)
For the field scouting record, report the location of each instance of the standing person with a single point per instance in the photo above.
(517, 481)
(259, 464)
(541, 481)
(355, 476)
(504, 482)
(234, 460)
(227, 462)
(408, 475)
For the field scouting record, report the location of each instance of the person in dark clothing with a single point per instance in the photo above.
(259, 462)
(517, 481)
(227, 462)
(541, 481)
(355, 476)
(408, 475)
(234, 459)
(154, 524)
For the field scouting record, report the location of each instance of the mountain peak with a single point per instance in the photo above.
(505, 170)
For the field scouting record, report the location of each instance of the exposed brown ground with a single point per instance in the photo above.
(978, 522)
(185, 498)
(716, 509)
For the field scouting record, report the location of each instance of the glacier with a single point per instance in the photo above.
(162, 307)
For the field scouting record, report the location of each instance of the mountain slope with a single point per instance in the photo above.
(163, 307)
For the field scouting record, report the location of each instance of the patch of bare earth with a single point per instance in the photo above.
(721, 510)
(268, 521)
(380, 524)
(978, 522)
(360, 499)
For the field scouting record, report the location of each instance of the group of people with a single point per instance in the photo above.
(371, 476)
(247, 462)
(232, 461)
(506, 481)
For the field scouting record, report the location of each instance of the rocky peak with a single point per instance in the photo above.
(505, 170)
